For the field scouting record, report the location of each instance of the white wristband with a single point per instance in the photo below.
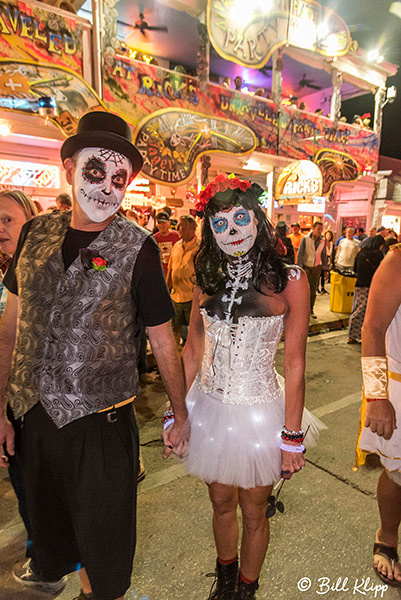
(288, 448)
(168, 423)
(374, 370)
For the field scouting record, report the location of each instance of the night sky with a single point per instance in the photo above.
(373, 26)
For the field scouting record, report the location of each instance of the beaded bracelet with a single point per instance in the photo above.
(289, 435)
(291, 431)
(288, 448)
(167, 419)
(375, 399)
(288, 438)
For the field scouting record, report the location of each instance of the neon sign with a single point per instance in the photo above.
(29, 174)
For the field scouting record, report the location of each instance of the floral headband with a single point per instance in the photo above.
(221, 184)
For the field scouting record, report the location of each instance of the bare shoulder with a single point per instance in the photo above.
(294, 273)
(390, 267)
(297, 284)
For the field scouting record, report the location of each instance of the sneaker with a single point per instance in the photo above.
(27, 577)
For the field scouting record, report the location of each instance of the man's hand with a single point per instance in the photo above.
(7, 437)
(175, 439)
(291, 462)
(380, 418)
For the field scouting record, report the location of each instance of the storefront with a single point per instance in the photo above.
(32, 164)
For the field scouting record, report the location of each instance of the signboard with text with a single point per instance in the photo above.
(174, 121)
(28, 174)
(248, 34)
(300, 181)
(40, 34)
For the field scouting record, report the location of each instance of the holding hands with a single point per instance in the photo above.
(175, 435)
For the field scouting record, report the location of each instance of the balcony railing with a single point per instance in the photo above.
(144, 94)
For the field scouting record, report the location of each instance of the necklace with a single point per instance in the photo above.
(239, 275)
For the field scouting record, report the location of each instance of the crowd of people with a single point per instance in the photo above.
(85, 286)
(353, 254)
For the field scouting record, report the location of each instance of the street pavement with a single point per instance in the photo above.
(320, 546)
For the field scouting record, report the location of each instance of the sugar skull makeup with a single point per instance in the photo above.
(235, 230)
(100, 180)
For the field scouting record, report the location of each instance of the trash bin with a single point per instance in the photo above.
(342, 292)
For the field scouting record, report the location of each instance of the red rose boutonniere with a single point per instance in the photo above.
(92, 260)
(99, 263)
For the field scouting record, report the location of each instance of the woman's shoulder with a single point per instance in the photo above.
(294, 273)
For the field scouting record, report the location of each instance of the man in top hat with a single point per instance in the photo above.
(80, 285)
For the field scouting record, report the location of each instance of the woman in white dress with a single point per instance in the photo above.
(380, 430)
(244, 434)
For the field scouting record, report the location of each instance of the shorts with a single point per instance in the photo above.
(182, 313)
(81, 483)
(394, 476)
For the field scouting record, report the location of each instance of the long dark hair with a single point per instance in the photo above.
(211, 262)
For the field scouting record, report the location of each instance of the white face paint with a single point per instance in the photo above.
(100, 180)
(235, 230)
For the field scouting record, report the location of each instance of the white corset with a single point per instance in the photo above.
(238, 362)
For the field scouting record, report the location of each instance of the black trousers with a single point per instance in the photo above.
(80, 483)
(15, 474)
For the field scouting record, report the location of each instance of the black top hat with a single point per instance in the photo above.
(103, 130)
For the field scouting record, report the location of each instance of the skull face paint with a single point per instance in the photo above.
(235, 230)
(100, 180)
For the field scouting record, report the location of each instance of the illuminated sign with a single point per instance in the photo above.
(248, 31)
(28, 174)
(173, 139)
(336, 166)
(317, 205)
(139, 185)
(301, 180)
(34, 33)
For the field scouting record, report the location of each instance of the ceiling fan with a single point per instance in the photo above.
(264, 70)
(143, 25)
(304, 82)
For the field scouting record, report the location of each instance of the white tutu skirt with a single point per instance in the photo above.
(238, 444)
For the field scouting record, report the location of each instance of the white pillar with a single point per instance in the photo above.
(97, 55)
(380, 98)
(270, 196)
(277, 78)
(335, 106)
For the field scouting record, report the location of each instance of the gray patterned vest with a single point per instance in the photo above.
(76, 349)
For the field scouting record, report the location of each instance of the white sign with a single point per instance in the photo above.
(317, 205)
(29, 174)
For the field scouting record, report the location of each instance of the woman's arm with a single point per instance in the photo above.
(296, 325)
(193, 349)
(384, 301)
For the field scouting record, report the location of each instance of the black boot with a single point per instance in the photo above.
(225, 584)
(247, 590)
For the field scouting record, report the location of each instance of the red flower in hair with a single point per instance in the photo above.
(220, 184)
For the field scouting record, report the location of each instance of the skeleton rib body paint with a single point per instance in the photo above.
(100, 180)
(235, 232)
